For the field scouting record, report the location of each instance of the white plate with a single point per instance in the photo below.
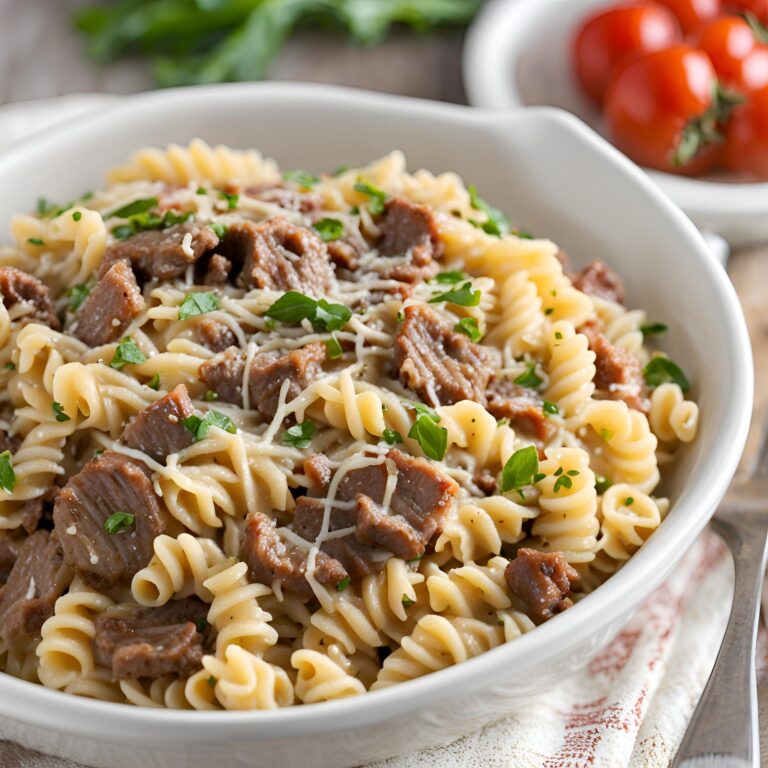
(517, 54)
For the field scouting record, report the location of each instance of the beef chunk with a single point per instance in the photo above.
(270, 559)
(437, 362)
(280, 256)
(291, 199)
(38, 577)
(9, 550)
(542, 580)
(393, 532)
(619, 373)
(108, 484)
(16, 286)
(224, 375)
(345, 252)
(215, 335)
(152, 642)
(523, 407)
(38, 512)
(161, 254)
(409, 229)
(217, 270)
(485, 481)
(598, 279)
(109, 307)
(159, 430)
(8, 443)
(318, 471)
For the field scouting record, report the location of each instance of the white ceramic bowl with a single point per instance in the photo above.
(517, 54)
(555, 177)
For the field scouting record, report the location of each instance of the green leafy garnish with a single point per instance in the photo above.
(468, 326)
(377, 197)
(423, 410)
(520, 469)
(7, 475)
(58, 412)
(407, 602)
(343, 584)
(201, 625)
(35, 241)
(10, 366)
(550, 408)
(392, 436)
(201, 191)
(293, 307)
(653, 329)
(629, 501)
(154, 382)
(134, 208)
(143, 222)
(218, 228)
(299, 435)
(76, 216)
(200, 427)
(198, 303)
(563, 481)
(602, 484)
(127, 352)
(449, 278)
(231, 198)
(211, 396)
(432, 438)
(529, 379)
(119, 522)
(497, 223)
(330, 317)
(77, 294)
(211, 680)
(302, 178)
(333, 349)
(466, 296)
(661, 369)
(329, 229)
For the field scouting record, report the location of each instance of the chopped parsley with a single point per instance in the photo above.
(10, 366)
(466, 296)
(520, 470)
(299, 435)
(392, 436)
(653, 329)
(333, 349)
(606, 435)
(602, 484)
(201, 625)
(343, 584)
(293, 307)
(449, 278)
(154, 382)
(58, 412)
(77, 294)
(7, 475)
(629, 501)
(211, 680)
(468, 326)
(35, 241)
(377, 197)
(432, 439)
(127, 353)
(198, 303)
(134, 208)
(662, 369)
(329, 229)
(142, 222)
(201, 191)
(200, 427)
(563, 481)
(549, 310)
(302, 178)
(119, 522)
(407, 602)
(218, 228)
(529, 379)
(423, 410)
(210, 396)
(231, 198)
(550, 408)
(497, 223)
(76, 216)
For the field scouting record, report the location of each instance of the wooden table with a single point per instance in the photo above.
(40, 56)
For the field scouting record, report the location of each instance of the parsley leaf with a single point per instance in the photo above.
(302, 178)
(134, 208)
(529, 379)
(198, 303)
(661, 369)
(407, 602)
(602, 484)
(423, 410)
(200, 427)
(58, 412)
(432, 438)
(7, 475)
(377, 197)
(127, 352)
(520, 469)
(154, 382)
(449, 278)
(497, 224)
(550, 408)
(329, 229)
(299, 435)
(77, 294)
(119, 522)
(563, 481)
(653, 329)
(143, 222)
(293, 307)
(232, 199)
(218, 228)
(333, 349)
(330, 317)
(76, 216)
(392, 436)
(466, 296)
(468, 326)
(35, 241)
(343, 584)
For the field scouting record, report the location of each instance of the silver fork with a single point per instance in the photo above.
(724, 731)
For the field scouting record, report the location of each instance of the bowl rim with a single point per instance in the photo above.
(700, 197)
(23, 701)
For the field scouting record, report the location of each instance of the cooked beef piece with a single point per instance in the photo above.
(159, 429)
(523, 407)
(217, 270)
(224, 375)
(152, 642)
(215, 335)
(564, 259)
(161, 253)
(280, 256)
(542, 580)
(38, 577)
(270, 559)
(109, 308)
(598, 279)
(485, 481)
(38, 512)
(8, 443)
(437, 362)
(318, 472)
(393, 532)
(409, 229)
(619, 373)
(106, 485)
(290, 199)
(16, 286)
(9, 550)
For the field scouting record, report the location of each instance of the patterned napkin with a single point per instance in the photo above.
(631, 704)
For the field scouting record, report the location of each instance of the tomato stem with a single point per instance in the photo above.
(758, 28)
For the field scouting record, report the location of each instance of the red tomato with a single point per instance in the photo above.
(693, 13)
(654, 99)
(608, 37)
(746, 137)
(741, 62)
(757, 7)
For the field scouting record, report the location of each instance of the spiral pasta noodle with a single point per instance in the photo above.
(672, 417)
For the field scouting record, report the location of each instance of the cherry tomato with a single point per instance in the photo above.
(608, 37)
(746, 137)
(758, 8)
(741, 62)
(691, 14)
(654, 105)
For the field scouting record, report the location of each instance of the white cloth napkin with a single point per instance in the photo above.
(629, 707)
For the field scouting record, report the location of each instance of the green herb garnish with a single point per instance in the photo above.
(329, 229)
(198, 303)
(119, 522)
(293, 307)
(392, 436)
(134, 208)
(302, 179)
(77, 294)
(407, 602)
(333, 349)
(466, 296)
(210, 396)
(154, 382)
(529, 379)
(35, 241)
(76, 216)
(200, 427)
(218, 228)
(343, 584)
(58, 412)
(520, 469)
(653, 329)
(377, 197)
(468, 326)
(563, 481)
(602, 484)
(661, 369)
(127, 352)
(231, 198)
(7, 475)
(10, 366)
(497, 223)
(432, 438)
(449, 278)
(629, 501)
(299, 435)
(550, 408)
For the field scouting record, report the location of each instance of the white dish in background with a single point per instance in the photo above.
(555, 177)
(517, 54)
